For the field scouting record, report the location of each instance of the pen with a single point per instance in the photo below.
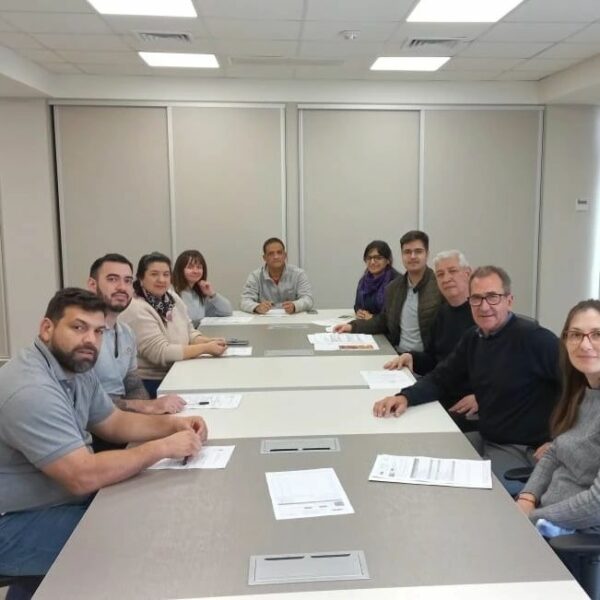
(203, 403)
(184, 462)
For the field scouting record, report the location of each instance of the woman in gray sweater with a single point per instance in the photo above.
(199, 295)
(564, 487)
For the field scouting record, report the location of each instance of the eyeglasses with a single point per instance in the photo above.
(574, 338)
(492, 299)
(376, 257)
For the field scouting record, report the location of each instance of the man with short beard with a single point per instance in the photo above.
(111, 278)
(50, 401)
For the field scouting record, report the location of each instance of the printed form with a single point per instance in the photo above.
(342, 341)
(211, 400)
(389, 380)
(209, 457)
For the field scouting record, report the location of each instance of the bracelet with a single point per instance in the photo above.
(519, 497)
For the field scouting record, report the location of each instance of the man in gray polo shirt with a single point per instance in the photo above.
(50, 401)
(276, 284)
(111, 278)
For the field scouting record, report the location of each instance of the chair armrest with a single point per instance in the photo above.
(518, 474)
(586, 543)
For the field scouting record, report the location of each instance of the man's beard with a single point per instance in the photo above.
(115, 308)
(69, 361)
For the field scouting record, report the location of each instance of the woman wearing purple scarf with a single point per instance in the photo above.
(379, 272)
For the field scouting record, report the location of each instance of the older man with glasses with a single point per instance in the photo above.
(511, 364)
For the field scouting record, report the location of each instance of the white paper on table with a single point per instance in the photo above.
(238, 351)
(343, 341)
(307, 493)
(226, 320)
(211, 400)
(209, 457)
(425, 470)
(331, 322)
(275, 312)
(389, 380)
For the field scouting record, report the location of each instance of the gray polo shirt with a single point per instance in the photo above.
(410, 334)
(44, 415)
(117, 358)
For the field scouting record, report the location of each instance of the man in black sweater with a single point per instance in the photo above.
(511, 364)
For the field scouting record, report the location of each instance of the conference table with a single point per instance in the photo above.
(337, 315)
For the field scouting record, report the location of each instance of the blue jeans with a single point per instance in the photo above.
(30, 540)
(152, 386)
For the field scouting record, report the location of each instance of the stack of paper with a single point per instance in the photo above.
(275, 312)
(209, 457)
(389, 380)
(342, 341)
(211, 400)
(425, 470)
(238, 351)
(241, 320)
(309, 493)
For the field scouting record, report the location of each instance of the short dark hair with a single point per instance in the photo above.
(147, 259)
(272, 240)
(111, 257)
(487, 270)
(72, 296)
(183, 260)
(414, 235)
(381, 247)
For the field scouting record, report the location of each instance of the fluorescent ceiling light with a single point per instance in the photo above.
(148, 8)
(461, 11)
(409, 63)
(177, 59)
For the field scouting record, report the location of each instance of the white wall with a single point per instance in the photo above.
(28, 227)
(569, 269)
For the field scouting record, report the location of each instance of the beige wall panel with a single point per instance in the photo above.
(480, 188)
(114, 184)
(360, 182)
(228, 188)
(3, 324)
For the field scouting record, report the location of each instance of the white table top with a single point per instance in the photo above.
(303, 317)
(272, 373)
(537, 590)
(318, 412)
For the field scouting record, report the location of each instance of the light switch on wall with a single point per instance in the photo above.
(582, 204)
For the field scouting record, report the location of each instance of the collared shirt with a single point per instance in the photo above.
(293, 286)
(410, 334)
(44, 415)
(117, 358)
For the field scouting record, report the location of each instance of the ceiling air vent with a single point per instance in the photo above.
(430, 43)
(283, 61)
(163, 36)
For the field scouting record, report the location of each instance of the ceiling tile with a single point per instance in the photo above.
(339, 50)
(40, 55)
(400, 49)
(561, 11)
(530, 32)
(542, 64)
(116, 69)
(252, 9)
(36, 22)
(480, 64)
(48, 6)
(580, 51)
(18, 40)
(485, 75)
(260, 72)
(503, 50)
(238, 29)
(4, 26)
(522, 75)
(107, 58)
(124, 24)
(358, 10)
(330, 30)
(468, 31)
(589, 35)
(62, 68)
(72, 41)
(256, 48)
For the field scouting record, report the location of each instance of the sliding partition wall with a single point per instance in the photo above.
(213, 177)
(4, 350)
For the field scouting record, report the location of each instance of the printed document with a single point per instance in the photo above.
(308, 493)
(233, 320)
(389, 380)
(425, 470)
(342, 341)
(211, 400)
(209, 457)
(238, 351)
(275, 312)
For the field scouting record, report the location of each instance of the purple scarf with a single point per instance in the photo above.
(374, 287)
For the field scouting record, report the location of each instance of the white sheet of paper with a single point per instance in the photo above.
(233, 320)
(209, 457)
(389, 380)
(276, 312)
(425, 470)
(330, 322)
(211, 400)
(238, 351)
(343, 341)
(308, 493)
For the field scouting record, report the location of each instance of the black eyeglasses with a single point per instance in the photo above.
(492, 299)
(376, 257)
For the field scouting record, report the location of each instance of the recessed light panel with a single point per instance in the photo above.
(147, 8)
(182, 60)
(409, 63)
(461, 11)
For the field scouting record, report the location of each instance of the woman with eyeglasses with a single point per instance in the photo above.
(160, 322)
(564, 487)
(378, 273)
(200, 297)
